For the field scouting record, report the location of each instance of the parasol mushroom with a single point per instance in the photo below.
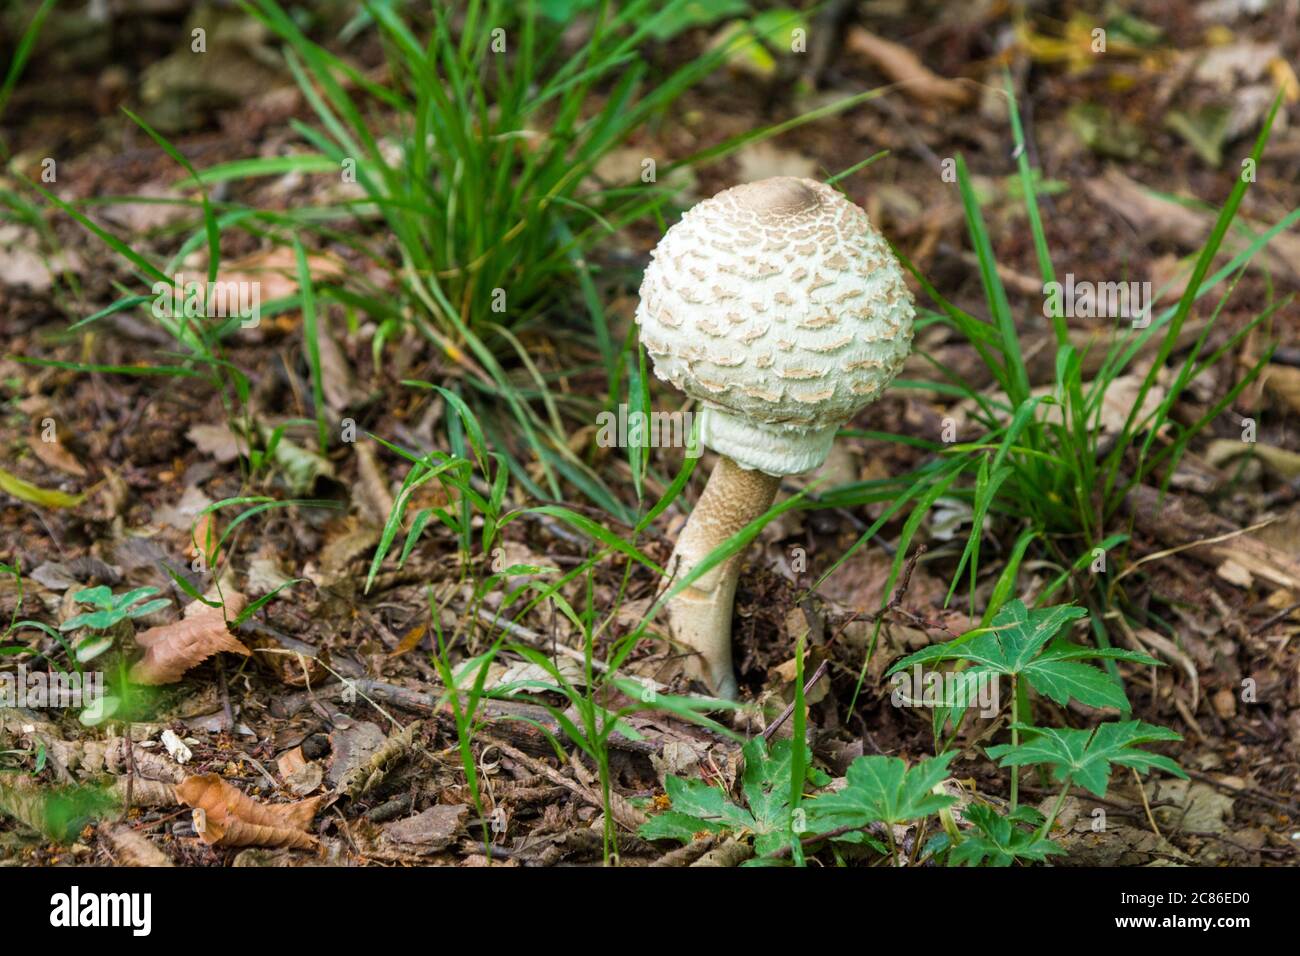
(782, 311)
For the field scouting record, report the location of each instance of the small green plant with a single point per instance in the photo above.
(881, 790)
(57, 813)
(880, 793)
(1016, 646)
(102, 623)
(767, 815)
(995, 840)
(475, 484)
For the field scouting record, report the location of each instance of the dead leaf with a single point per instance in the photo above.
(23, 265)
(306, 780)
(905, 68)
(764, 160)
(291, 761)
(1120, 396)
(185, 512)
(352, 747)
(54, 575)
(204, 538)
(172, 649)
(218, 441)
(337, 383)
(431, 830)
(410, 642)
(264, 575)
(131, 848)
(371, 493)
(1285, 463)
(226, 816)
(1283, 383)
(276, 269)
(1227, 67)
(56, 456)
(346, 540)
(168, 206)
(1159, 218)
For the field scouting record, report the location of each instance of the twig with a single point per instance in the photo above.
(785, 850)
(130, 773)
(1146, 806)
(688, 854)
(1216, 539)
(623, 812)
(1279, 616)
(540, 641)
(730, 853)
(785, 714)
(1256, 795)
(227, 714)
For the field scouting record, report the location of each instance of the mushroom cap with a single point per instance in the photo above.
(782, 310)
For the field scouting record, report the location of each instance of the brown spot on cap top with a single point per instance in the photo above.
(781, 195)
(777, 305)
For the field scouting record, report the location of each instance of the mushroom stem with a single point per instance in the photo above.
(700, 615)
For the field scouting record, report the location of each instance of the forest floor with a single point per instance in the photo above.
(338, 673)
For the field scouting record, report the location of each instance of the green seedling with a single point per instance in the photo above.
(881, 793)
(102, 624)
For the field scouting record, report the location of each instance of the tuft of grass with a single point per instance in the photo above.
(1041, 469)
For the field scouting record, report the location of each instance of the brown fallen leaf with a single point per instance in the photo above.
(172, 649)
(133, 849)
(1283, 383)
(337, 381)
(371, 493)
(905, 68)
(53, 453)
(346, 540)
(409, 642)
(226, 816)
(291, 761)
(239, 833)
(1280, 460)
(276, 270)
(430, 831)
(1160, 218)
(219, 441)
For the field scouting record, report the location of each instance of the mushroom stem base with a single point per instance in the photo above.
(700, 615)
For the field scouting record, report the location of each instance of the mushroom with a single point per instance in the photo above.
(783, 312)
